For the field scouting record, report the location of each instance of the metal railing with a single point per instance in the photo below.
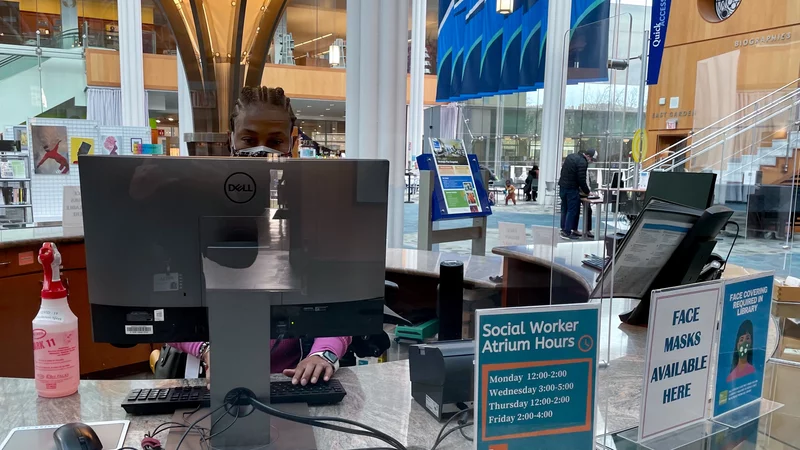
(695, 153)
(771, 110)
(794, 91)
(775, 152)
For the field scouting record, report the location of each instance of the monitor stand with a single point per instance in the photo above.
(239, 327)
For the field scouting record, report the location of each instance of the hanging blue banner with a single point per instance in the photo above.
(742, 348)
(588, 41)
(444, 68)
(459, 12)
(491, 59)
(512, 46)
(659, 18)
(534, 27)
(473, 48)
(488, 53)
(535, 377)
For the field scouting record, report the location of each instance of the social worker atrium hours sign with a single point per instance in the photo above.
(536, 371)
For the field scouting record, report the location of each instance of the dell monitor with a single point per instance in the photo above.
(693, 189)
(235, 251)
(152, 223)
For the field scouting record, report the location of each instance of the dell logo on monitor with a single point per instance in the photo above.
(240, 187)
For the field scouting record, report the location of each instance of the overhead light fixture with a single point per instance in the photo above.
(308, 106)
(170, 119)
(331, 104)
(322, 115)
(505, 6)
(327, 109)
(158, 120)
(313, 40)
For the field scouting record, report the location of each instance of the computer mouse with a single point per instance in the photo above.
(76, 436)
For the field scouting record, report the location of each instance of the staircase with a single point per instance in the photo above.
(753, 151)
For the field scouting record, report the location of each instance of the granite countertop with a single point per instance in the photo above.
(378, 395)
(477, 269)
(18, 237)
(565, 257)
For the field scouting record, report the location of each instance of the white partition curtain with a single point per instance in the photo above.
(104, 105)
(448, 125)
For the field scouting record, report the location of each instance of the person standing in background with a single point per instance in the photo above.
(572, 183)
(528, 185)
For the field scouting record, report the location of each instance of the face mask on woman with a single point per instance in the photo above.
(258, 151)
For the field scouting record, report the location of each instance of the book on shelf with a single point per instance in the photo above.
(13, 196)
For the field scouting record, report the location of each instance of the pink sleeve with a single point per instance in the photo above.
(192, 348)
(336, 345)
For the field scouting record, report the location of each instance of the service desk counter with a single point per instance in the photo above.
(532, 272)
(378, 395)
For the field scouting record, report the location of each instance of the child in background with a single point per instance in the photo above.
(511, 192)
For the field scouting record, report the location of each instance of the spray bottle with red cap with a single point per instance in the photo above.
(55, 333)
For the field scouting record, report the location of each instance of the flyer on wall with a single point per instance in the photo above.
(535, 377)
(455, 176)
(742, 346)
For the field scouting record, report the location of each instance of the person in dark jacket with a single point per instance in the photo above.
(532, 184)
(572, 183)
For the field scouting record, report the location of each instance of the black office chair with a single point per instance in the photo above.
(375, 345)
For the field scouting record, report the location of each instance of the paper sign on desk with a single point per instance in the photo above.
(677, 369)
(746, 307)
(511, 233)
(535, 372)
(72, 214)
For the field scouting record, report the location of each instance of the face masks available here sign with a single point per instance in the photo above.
(742, 354)
(536, 371)
(678, 358)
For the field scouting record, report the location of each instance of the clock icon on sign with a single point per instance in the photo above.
(585, 343)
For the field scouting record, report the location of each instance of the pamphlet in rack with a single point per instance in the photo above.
(458, 189)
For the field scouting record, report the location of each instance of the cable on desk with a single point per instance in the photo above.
(449, 432)
(194, 424)
(449, 421)
(469, 438)
(224, 429)
(319, 422)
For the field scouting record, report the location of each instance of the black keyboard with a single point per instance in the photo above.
(167, 400)
(596, 262)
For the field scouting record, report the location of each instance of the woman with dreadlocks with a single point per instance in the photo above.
(263, 123)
